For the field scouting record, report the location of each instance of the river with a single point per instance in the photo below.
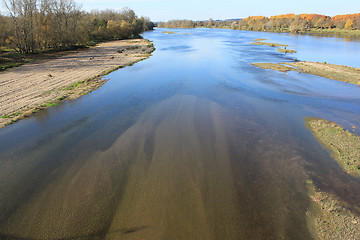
(192, 143)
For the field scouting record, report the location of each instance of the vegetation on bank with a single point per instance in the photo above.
(345, 146)
(340, 25)
(326, 70)
(329, 218)
(285, 50)
(45, 25)
(10, 58)
(269, 44)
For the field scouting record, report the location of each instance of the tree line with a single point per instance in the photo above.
(36, 25)
(286, 22)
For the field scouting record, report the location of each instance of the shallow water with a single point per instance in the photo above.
(193, 143)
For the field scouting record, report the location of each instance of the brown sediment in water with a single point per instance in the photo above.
(181, 171)
(35, 86)
(326, 70)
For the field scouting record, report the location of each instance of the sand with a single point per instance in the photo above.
(326, 70)
(30, 87)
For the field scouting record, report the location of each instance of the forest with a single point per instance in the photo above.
(282, 23)
(40, 25)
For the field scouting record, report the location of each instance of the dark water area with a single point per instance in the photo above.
(192, 143)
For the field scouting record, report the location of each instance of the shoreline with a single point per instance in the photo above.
(33, 87)
(344, 145)
(328, 216)
(338, 33)
(330, 71)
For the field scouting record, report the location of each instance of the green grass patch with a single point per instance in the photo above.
(74, 85)
(61, 98)
(345, 146)
(50, 104)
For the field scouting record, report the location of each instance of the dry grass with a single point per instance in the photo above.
(330, 71)
(269, 44)
(274, 66)
(168, 32)
(284, 50)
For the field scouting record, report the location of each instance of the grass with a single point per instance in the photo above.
(50, 104)
(344, 145)
(274, 66)
(9, 58)
(168, 32)
(74, 85)
(326, 70)
(269, 44)
(284, 50)
(15, 114)
(259, 39)
(330, 71)
(329, 217)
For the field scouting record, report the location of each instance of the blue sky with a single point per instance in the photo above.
(163, 10)
(224, 9)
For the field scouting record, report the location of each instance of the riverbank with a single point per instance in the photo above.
(330, 218)
(326, 70)
(344, 145)
(341, 33)
(32, 87)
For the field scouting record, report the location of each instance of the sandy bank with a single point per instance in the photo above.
(326, 70)
(32, 87)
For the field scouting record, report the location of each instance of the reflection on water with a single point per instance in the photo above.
(193, 143)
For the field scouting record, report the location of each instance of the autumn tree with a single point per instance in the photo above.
(349, 24)
(23, 15)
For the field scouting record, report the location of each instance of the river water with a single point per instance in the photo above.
(192, 143)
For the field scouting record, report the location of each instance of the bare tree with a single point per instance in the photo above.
(23, 14)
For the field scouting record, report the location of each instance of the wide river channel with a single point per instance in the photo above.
(192, 143)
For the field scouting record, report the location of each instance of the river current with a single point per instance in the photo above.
(192, 143)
